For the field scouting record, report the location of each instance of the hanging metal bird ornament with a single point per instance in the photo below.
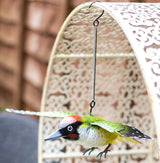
(89, 130)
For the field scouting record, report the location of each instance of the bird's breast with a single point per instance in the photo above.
(94, 136)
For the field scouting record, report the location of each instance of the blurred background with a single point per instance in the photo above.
(28, 29)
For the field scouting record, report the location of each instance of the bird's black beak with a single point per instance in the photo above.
(54, 136)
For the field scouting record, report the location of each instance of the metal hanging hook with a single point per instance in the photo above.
(95, 24)
(96, 21)
(92, 3)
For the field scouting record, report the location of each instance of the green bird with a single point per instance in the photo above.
(89, 130)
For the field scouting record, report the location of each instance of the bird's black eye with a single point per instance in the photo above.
(69, 128)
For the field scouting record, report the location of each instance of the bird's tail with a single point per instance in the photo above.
(132, 140)
(121, 139)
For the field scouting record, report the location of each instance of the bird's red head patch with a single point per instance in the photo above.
(69, 120)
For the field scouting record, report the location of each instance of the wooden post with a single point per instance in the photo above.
(17, 92)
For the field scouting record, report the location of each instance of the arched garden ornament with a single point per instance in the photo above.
(127, 83)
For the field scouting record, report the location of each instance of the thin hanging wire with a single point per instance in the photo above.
(93, 102)
(95, 24)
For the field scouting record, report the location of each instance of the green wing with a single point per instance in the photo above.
(121, 129)
(56, 114)
(107, 125)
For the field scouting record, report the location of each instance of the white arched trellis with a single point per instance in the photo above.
(128, 72)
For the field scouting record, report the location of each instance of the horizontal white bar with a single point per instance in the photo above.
(107, 55)
(80, 155)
